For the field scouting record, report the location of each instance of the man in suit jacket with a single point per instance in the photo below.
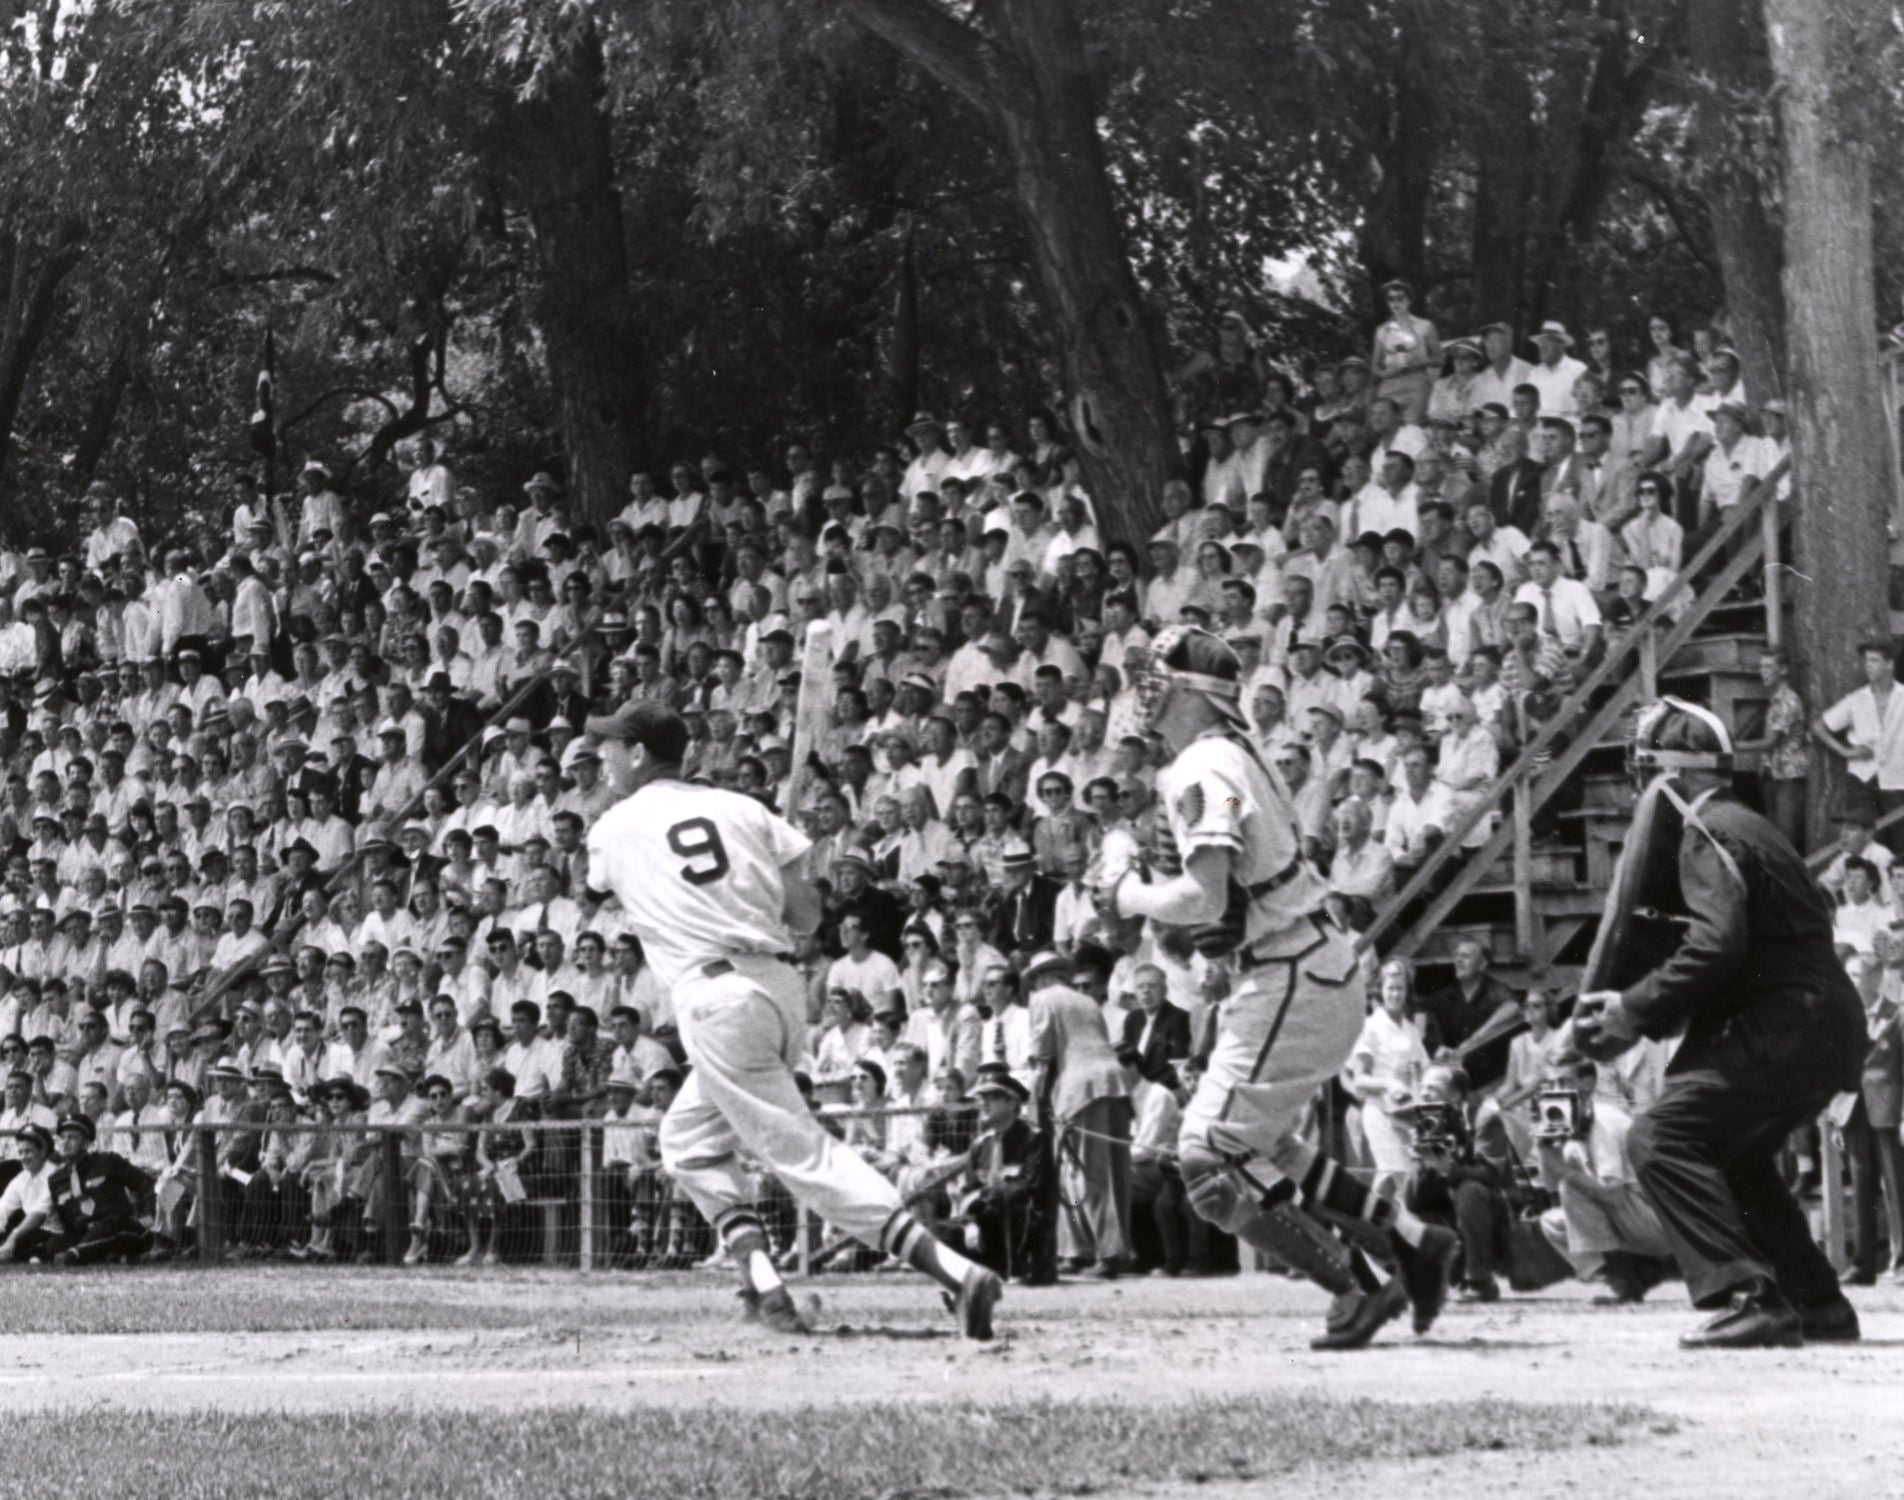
(1157, 1031)
(1515, 493)
(1465, 1006)
(1083, 1084)
(1025, 906)
(1773, 1029)
(449, 722)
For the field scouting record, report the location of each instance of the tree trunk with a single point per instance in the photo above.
(1029, 78)
(34, 272)
(102, 417)
(1395, 234)
(1504, 177)
(1728, 50)
(1119, 406)
(1596, 104)
(1843, 480)
(559, 164)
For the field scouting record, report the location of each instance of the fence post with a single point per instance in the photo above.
(390, 1148)
(1769, 514)
(585, 1228)
(211, 1198)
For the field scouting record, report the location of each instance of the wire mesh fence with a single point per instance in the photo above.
(582, 1194)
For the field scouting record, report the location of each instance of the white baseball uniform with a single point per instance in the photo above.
(699, 872)
(1293, 1017)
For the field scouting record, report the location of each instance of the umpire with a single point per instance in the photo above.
(1772, 1030)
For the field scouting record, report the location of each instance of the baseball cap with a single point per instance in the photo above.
(658, 729)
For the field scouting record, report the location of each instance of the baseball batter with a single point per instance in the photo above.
(710, 881)
(1292, 1017)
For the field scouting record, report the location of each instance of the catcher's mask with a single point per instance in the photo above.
(1190, 659)
(1674, 735)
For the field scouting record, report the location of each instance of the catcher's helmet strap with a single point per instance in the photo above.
(1682, 760)
(1689, 812)
(1203, 682)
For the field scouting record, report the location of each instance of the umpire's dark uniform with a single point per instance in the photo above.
(95, 1201)
(1773, 1029)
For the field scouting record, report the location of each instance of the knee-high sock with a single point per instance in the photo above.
(744, 1238)
(905, 1238)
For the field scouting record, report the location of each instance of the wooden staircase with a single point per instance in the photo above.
(1534, 892)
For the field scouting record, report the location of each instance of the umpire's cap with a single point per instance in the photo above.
(79, 1125)
(660, 731)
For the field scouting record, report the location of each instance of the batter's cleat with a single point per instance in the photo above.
(1356, 1317)
(1834, 1323)
(776, 1309)
(1759, 1318)
(978, 1295)
(1479, 1291)
(1425, 1270)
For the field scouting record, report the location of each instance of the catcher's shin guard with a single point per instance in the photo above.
(1266, 1219)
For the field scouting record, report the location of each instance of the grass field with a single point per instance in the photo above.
(373, 1383)
(878, 1452)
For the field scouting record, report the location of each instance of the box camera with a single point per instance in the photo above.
(1437, 1129)
(1560, 1115)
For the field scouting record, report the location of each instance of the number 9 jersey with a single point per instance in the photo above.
(697, 871)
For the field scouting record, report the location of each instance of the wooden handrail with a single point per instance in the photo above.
(1568, 761)
(1527, 762)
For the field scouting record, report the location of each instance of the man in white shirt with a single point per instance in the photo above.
(535, 1061)
(1557, 371)
(925, 473)
(28, 1196)
(1504, 546)
(1567, 609)
(1735, 464)
(1866, 728)
(1503, 371)
(1420, 815)
(863, 967)
(1682, 430)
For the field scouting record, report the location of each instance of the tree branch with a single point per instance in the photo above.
(281, 273)
(949, 50)
(1662, 193)
(355, 392)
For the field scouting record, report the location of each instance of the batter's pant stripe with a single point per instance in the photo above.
(1275, 1030)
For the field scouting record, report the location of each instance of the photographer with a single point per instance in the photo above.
(1603, 1224)
(1451, 1182)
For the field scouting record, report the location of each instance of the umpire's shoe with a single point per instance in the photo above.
(1425, 1270)
(1355, 1317)
(1833, 1323)
(1758, 1318)
(978, 1295)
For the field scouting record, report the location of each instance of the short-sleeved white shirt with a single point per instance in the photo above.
(26, 1194)
(1726, 473)
(1574, 609)
(1855, 717)
(698, 871)
(1676, 424)
(1218, 795)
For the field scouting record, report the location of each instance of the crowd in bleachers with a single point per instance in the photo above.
(239, 886)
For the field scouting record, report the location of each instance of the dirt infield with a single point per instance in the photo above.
(1821, 1421)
